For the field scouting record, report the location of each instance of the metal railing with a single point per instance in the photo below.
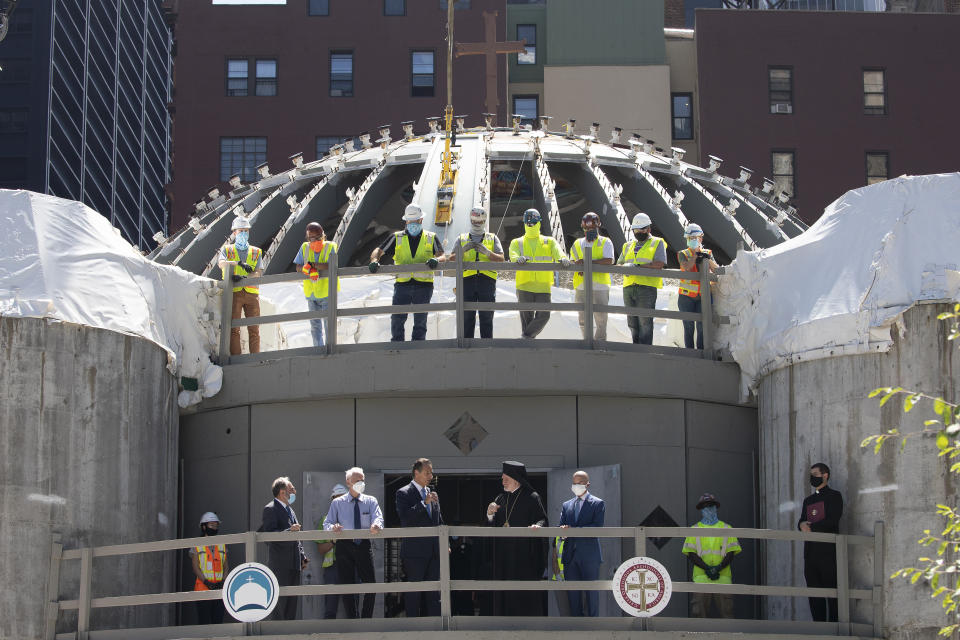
(845, 593)
(460, 306)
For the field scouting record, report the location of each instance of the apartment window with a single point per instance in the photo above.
(318, 8)
(238, 77)
(784, 171)
(874, 92)
(423, 78)
(682, 110)
(394, 7)
(527, 107)
(13, 120)
(341, 74)
(266, 78)
(241, 155)
(878, 166)
(781, 89)
(527, 32)
(14, 71)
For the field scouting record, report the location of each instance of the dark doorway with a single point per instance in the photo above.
(463, 501)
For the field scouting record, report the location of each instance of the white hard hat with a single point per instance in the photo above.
(412, 212)
(693, 229)
(640, 221)
(240, 222)
(209, 516)
(478, 215)
(338, 490)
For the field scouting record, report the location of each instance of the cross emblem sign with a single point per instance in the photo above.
(643, 586)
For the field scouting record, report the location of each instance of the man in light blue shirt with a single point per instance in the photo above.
(355, 510)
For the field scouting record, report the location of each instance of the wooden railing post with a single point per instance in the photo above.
(332, 284)
(226, 315)
(879, 578)
(588, 294)
(706, 310)
(86, 583)
(445, 599)
(458, 291)
(53, 590)
(843, 588)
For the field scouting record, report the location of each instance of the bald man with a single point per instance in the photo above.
(581, 556)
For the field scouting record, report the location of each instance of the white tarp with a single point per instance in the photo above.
(839, 287)
(62, 260)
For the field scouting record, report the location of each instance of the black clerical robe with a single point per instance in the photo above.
(520, 558)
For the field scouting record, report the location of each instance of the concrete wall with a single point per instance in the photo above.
(682, 60)
(88, 444)
(819, 412)
(636, 98)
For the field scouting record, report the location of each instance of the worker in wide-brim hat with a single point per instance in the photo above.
(711, 558)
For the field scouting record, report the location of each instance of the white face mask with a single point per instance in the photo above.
(578, 489)
(359, 486)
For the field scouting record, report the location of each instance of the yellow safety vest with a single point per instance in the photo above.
(403, 255)
(253, 256)
(692, 287)
(540, 249)
(712, 550)
(645, 255)
(558, 545)
(320, 288)
(330, 557)
(576, 253)
(210, 560)
(473, 255)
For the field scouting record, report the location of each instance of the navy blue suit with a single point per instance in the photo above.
(581, 556)
(284, 558)
(420, 556)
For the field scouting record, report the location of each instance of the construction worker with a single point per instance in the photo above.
(534, 286)
(556, 573)
(210, 567)
(711, 558)
(601, 252)
(410, 288)
(692, 259)
(327, 549)
(645, 250)
(479, 286)
(314, 258)
(246, 261)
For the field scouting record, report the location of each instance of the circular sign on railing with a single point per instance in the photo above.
(642, 587)
(250, 592)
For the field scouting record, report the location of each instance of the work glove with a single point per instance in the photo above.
(314, 275)
(374, 266)
(521, 259)
(565, 262)
(432, 263)
(245, 267)
(713, 573)
(236, 278)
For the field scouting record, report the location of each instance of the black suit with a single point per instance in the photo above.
(420, 556)
(284, 558)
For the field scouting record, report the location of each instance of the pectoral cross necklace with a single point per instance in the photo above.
(510, 509)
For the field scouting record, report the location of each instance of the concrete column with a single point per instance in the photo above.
(818, 411)
(88, 453)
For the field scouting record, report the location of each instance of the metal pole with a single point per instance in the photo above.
(332, 284)
(458, 248)
(706, 311)
(226, 315)
(53, 589)
(250, 547)
(639, 541)
(444, 545)
(843, 588)
(86, 578)
(588, 294)
(879, 577)
(449, 52)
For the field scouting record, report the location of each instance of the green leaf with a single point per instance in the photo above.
(890, 394)
(878, 391)
(942, 441)
(910, 402)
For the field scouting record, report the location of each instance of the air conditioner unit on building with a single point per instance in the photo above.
(781, 107)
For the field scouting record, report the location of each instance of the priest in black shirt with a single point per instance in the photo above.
(821, 513)
(518, 558)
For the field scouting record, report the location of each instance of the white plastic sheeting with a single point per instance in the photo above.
(64, 261)
(839, 287)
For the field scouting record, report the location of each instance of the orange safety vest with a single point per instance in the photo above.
(691, 288)
(210, 560)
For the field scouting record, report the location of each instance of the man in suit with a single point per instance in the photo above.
(581, 556)
(419, 506)
(285, 559)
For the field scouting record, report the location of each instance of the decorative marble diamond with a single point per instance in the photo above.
(659, 518)
(466, 433)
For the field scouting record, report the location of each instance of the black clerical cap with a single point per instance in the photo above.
(516, 470)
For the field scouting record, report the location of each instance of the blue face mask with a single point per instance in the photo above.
(292, 498)
(591, 234)
(708, 515)
(414, 228)
(693, 243)
(242, 240)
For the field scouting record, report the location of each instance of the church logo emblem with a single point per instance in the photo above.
(642, 587)
(250, 592)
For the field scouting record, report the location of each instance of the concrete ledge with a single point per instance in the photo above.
(477, 372)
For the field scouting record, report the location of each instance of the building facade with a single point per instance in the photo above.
(825, 102)
(84, 93)
(258, 84)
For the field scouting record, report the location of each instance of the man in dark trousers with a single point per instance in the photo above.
(581, 556)
(518, 558)
(285, 559)
(821, 513)
(419, 506)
